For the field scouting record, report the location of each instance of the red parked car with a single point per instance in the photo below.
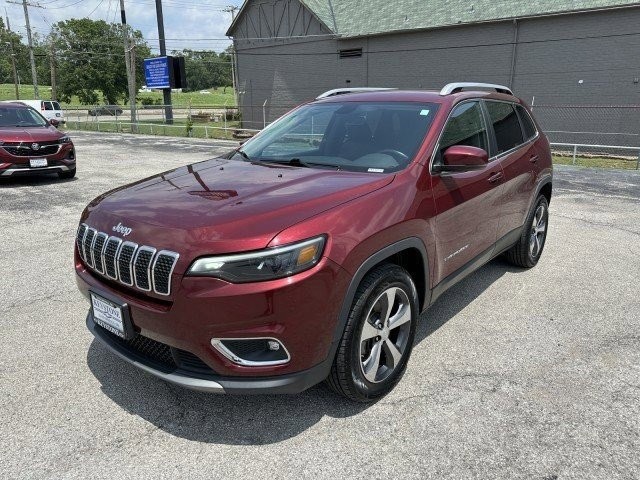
(310, 252)
(31, 145)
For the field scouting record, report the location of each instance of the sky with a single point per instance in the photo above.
(194, 24)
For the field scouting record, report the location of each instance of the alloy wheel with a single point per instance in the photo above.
(385, 335)
(538, 231)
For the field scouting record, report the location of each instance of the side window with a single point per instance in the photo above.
(56, 106)
(505, 125)
(464, 127)
(527, 123)
(48, 106)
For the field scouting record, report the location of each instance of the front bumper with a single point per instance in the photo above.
(292, 383)
(301, 312)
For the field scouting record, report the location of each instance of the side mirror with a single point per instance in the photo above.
(53, 122)
(462, 158)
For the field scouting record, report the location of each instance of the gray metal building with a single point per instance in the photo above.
(581, 53)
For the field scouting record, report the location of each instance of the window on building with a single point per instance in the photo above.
(351, 53)
(505, 125)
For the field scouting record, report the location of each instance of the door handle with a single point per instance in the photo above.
(495, 177)
(534, 159)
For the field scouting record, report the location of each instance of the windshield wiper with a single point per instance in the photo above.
(294, 162)
(244, 155)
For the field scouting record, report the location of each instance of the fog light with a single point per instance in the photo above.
(273, 345)
(252, 352)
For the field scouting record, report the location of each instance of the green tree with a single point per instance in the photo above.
(7, 40)
(206, 69)
(90, 58)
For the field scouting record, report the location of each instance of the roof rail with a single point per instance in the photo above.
(342, 91)
(458, 87)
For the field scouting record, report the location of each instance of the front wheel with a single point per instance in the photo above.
(378, 338)
(528, 250)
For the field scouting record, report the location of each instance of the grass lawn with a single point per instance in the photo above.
(215, 98)
(178, 129)
(597, 162)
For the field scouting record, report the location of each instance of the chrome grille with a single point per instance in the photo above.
(126, 262)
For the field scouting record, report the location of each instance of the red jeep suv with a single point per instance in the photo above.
(30, 145)
(309, 253)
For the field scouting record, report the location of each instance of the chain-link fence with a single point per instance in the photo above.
(607, 136)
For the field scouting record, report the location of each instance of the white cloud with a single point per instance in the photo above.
(195, 24)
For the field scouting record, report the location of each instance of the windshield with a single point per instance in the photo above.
(377, 137)
(21, 117)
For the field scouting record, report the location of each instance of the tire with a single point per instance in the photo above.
(528, 250)
(67, 175)
(362, 343)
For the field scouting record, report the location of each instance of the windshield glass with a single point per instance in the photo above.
(21, 117)
(375, 137)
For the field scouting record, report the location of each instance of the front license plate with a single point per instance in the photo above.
(108, 315)
(38, 162)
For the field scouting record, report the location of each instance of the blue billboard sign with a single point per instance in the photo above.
(156, 72)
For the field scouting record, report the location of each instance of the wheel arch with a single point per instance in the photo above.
(409, 253)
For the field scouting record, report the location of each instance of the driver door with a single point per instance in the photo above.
(467, 203)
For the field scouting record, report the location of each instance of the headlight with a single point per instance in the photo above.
(65, 139)
(262, 265)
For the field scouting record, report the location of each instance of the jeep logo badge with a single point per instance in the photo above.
(119, 228)
(35, 146)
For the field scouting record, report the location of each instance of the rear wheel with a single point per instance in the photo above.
(378, 338)
(67, 175)
(528, 250)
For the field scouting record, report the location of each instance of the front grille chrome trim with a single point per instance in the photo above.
(129, 265)
(115, 257)
(99, 254)
(124, 270)
(175, 257)
(142, 249)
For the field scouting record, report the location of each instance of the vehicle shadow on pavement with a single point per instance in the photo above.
(36, 180)
(260, 419)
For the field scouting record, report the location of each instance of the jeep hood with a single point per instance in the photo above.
(223, 206)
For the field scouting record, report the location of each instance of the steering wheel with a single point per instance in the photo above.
(396, 154)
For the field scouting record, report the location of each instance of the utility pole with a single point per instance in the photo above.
(166, 93)
(54, 90)
(13, 56)
(130, 67)
(15, 70)
(232, 9)
(34, 73)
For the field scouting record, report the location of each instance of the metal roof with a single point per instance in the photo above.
(354, 18)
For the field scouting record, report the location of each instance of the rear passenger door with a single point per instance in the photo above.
(516, 154)
(467, 203)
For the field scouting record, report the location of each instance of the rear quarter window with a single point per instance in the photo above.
(527, 123)
(505, 125)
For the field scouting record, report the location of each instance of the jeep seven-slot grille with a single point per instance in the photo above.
(126, 262)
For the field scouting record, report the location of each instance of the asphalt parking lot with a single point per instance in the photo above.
(515, 374)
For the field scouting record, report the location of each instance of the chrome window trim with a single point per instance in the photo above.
(104, 245)
(169, 253)
(135, 247)
(144, 248)
(511, 150)
(89, 258)
(220, 347)
(115, 257)
(495, 157)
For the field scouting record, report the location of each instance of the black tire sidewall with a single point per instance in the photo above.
(393, 277)
(541, 201)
